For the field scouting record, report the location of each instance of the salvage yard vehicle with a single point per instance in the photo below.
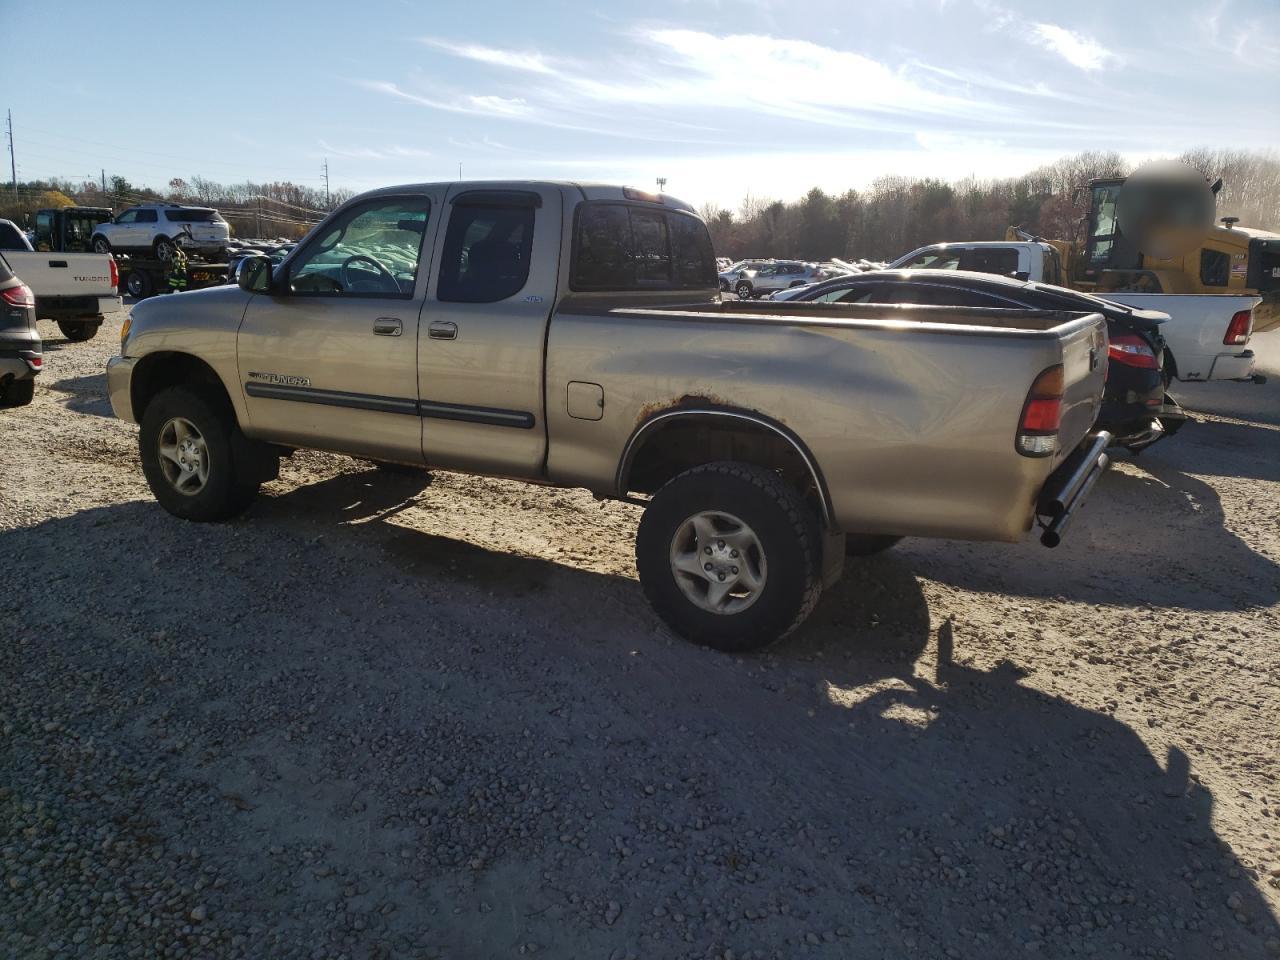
(776, 276)
(1136, 410)
(21, 353)
(74, 289)
(573, 335)
(68, 229)
(156, 229)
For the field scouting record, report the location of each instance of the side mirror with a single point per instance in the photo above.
(253, 274)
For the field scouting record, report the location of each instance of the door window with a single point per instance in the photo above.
(486, 252)
(129, 216)
(370, 250)
(145, 216)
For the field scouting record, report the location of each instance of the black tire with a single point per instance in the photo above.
(868, 544)
(18, 393)
(232, 482)
(743, 290)
(100, 244)
(787, 533)
(164, 249)
(78, 330)
(139, 284)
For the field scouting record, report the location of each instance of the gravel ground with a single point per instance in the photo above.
(433, 717)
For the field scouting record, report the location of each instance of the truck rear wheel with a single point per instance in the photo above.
(730, 556)
(196, 460)
(78, 330)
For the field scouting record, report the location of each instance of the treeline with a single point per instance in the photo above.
(276, 209)
(897, 214)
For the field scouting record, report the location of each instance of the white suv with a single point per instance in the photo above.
(156, 228)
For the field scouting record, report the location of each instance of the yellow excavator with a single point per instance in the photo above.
(1232, 261)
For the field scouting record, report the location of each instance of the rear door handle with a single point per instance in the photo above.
(387, 327)
(443, 330)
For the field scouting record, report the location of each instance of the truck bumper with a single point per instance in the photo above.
(119, 378)
(1068, 486)
(1232, 366)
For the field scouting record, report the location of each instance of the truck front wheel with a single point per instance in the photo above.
(197, 462)
(730, 556)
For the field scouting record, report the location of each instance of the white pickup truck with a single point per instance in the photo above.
(74, 289)
(1206, 336)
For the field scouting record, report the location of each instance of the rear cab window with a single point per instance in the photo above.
(625, 246)
(193, 215)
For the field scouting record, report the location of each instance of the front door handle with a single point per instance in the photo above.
(443, 330)
(387, 327)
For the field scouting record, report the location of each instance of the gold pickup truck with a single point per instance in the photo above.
(573, 334)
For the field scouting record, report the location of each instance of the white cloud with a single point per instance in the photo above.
(530, 62)
(1077, 49)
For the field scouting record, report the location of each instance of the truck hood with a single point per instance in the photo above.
(157, 321)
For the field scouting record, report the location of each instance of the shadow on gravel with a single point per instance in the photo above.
(1250, 451)
(824, 786)
(87, 394)
(1160, 523)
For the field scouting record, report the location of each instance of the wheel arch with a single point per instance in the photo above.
(167, 368)
(707, 434)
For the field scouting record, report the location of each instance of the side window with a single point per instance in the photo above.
(371, 250)
(859, 294)
(928, 294)
(1215, 267)
(129, 216)
(990, 260)
(486, 253)
(44, 231)
(935, 260)
(145, 216)
(622, 247)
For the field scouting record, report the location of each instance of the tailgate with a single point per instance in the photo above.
(63, 274)
(1084, 374)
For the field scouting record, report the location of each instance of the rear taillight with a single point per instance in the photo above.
(1239, 328)
(1131, 350)
(1042, 415)
(115, 275)
(19, 296)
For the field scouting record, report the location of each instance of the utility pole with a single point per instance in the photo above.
(259, 231)
(103, 170)
(459, 169)
(13, 160)
(327, 204)
(662, 182)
